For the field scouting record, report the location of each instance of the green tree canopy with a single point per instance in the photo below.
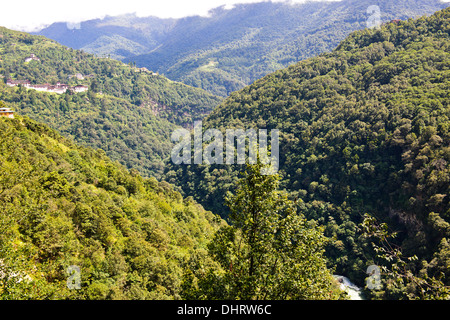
(268, 252)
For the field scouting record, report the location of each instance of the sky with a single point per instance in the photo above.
(31, 15)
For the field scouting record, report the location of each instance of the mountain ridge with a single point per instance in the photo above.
(130, 112)
(363, 129)
(231, 48)
(66, 207)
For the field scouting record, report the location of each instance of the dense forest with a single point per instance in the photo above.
(364, 132)
(117, 37)
(75, 225)
(91, 207)
(64, 205)
(128, 112)
(172, 100)
(231, 47)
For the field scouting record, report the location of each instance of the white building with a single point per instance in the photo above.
(80, 88)
(58, 88)
(6, 112)
(31, 57)
(14, 83)
(39, 87)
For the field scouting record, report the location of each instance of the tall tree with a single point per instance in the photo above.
(269, 251)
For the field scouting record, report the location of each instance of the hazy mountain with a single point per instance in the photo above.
(363, 129)
(128, 112)
(364, 155)
(232, 47)
(64, 205)
(118, 37)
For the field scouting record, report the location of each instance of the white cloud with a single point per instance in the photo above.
(28, 15)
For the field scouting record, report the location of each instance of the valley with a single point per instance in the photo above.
(231, 48)
(94, 114)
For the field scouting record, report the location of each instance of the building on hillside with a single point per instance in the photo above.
(395, 21)
(143, 69)
(80, 88)
(39, 87)
(14, 83)
(57, 88)
(31, 57)
(79, 76)
(6, 112)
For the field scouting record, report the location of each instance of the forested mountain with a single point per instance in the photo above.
(75, 225)
(363, 129)
(128, 112)
(231, 48)
(118, 37)
(364, 174)
(62, 205)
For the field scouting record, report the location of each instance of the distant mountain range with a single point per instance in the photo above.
(363, 129)
(59, 207)
(118, 37)
(231, 48)
(128, 112)
(364, 155)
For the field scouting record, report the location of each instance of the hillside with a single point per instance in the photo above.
(63, 205)
(363, 129)
(231, 48)
(128, 112)
(117, 37)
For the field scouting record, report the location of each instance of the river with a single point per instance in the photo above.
(352, 290)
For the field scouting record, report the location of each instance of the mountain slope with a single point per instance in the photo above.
(363, 129)
(63, 205)
(232, 48)
(128, 112)
(100, 36)
(141, 87)
(253, 40)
